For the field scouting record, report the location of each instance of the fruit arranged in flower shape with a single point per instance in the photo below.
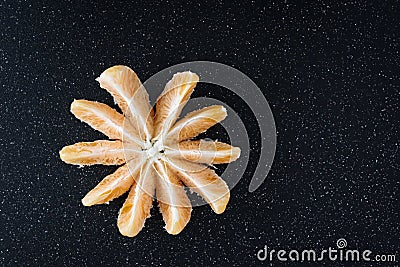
(158, 156)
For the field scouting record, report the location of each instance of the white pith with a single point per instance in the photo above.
(154, 150)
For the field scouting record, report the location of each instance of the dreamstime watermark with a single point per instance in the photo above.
(338, 253)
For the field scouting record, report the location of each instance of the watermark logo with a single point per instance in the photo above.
(338, 253)
(341, 243)
(237, 83)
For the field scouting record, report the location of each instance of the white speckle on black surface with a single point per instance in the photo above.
(329, 71)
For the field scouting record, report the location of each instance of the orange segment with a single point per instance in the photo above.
(99, 116)
(170, 103)
(137, 206)
(205, 182)
(172, 199)
(202, 151)
(196, 122)
(112, 186)
(97, 152)
(130, 95)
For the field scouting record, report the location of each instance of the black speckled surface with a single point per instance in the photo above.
(329, 71)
